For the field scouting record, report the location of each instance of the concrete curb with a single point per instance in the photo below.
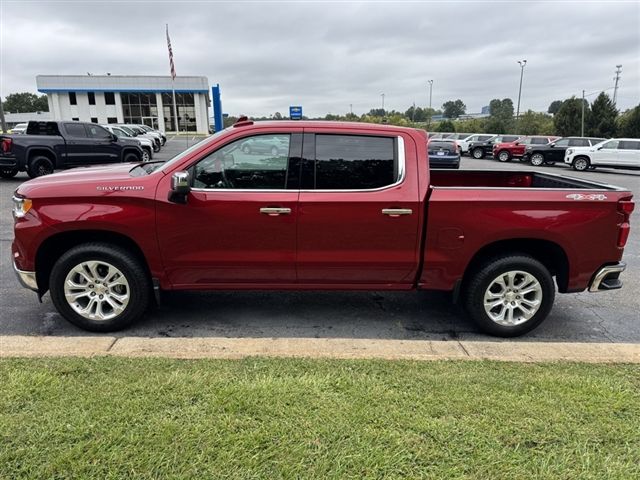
(345, 348)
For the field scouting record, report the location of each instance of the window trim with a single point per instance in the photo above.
(401, 174)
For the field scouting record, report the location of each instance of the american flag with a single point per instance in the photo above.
(171, 64)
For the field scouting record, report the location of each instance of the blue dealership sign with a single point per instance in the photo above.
(295, 113)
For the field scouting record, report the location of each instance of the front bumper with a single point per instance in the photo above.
(26, 279)
(607, 278)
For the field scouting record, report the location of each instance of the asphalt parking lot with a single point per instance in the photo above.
(584, 317)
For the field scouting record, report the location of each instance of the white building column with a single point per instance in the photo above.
(161, 125)
(119, 112)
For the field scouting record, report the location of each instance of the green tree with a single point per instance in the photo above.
(602, 121)
(554, 107)
(453, 108)
(445, 126)
(25, 102)
(534, 123)
(500, 116)
(568, 119)
(376, 112)
(629, 123)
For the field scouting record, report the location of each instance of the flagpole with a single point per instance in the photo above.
(173, 82)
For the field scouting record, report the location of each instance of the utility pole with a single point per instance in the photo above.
(3, 124)
(615, 87)
(582, 122)
(351, 108)
(430, 92)
(382, 95)
(522, 65)
(413, 113)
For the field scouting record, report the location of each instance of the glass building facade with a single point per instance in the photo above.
(185, 105)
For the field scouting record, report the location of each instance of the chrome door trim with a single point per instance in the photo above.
(396, 212)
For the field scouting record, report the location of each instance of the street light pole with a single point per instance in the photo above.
(430, 92)
(522, 65)
(582, 121)
(382, 95)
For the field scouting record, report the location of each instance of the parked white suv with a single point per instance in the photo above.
(476, 137)
(614, 153)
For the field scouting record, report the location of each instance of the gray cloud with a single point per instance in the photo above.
(325, 56)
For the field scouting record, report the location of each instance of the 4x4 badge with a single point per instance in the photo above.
(592, 196)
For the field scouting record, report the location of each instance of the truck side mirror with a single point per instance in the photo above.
(180, 187)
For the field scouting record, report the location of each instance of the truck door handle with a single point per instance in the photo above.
(275, 211)
(396, 212)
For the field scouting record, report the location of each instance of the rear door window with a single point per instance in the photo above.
(579, 142)
(564, 142)
(629, 145)
(539, 141)
(354, 162)
(251, 163)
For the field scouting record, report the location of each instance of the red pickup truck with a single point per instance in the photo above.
(340, 206)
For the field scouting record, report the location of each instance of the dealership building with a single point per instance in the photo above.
(129, 99)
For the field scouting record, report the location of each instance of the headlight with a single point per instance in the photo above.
(570, 151)
(21, 206)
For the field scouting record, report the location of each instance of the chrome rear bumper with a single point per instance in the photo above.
(607, 278)
(27, 279)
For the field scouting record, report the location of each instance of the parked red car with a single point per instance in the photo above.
(349, 206)
(504, 152)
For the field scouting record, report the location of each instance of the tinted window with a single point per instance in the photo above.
(97, 132)
(484, 138)
(109, 98)
(94, 119)
(72, 98)
(112, 120)
(351, 162)
(509, 138)
(564, 142)
(539, 141)
(579, 142)
(75, 130)
(258, 162)
(629, 145)
(92, 98)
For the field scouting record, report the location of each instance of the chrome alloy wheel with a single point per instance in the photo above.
(97, 290)
(513, 298)
(537, 159)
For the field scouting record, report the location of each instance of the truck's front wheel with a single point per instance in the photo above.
(510, 296)
(100, 287)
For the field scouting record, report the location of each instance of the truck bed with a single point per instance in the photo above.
(507, 179)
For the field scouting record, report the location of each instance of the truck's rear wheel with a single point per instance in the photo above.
(39, 166)
(100, 287)
(509, 296)
(8, 172)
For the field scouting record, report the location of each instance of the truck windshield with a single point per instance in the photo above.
(191, 149)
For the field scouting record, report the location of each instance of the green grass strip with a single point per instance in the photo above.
(115, 418)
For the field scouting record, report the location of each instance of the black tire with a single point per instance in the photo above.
(477, 153)
(164, 140)
(581, 164)
(156, 146)
(8, 172)
(131, 157)
(139, 285)
(39, 166)
(483, 278)
(503, 156)
(537, 159)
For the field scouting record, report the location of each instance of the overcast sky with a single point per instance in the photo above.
(327, 55)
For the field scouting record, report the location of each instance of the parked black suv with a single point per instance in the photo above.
(554, 151)
(485, 149)
(50, 145)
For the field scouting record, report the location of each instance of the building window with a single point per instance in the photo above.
(72, 98)
(109, 98)
(94, 119)
(140, 108)
(92, 98)
(185, 104)
(75, 119)
(112, 120)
